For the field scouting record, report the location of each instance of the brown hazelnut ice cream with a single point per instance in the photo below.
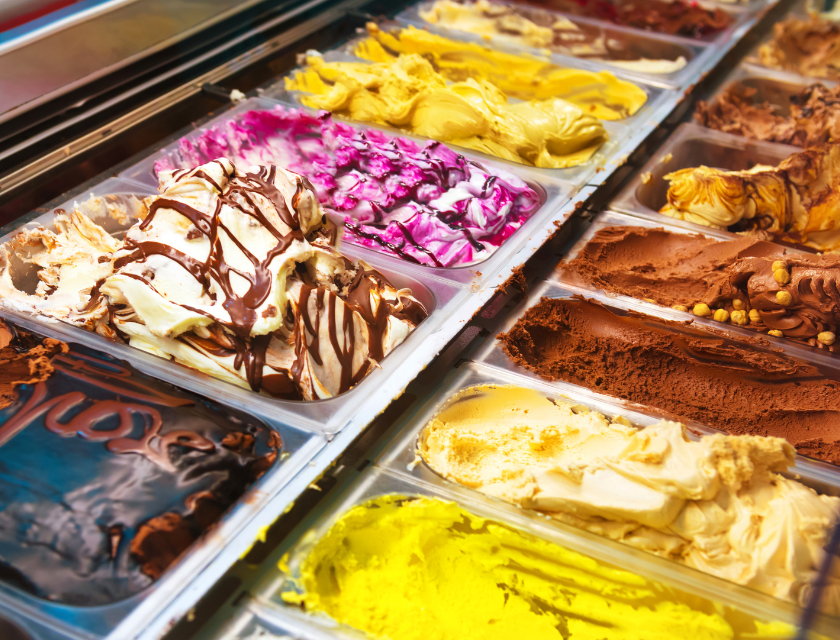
(814, 115)
(744, 282)
(807, 46)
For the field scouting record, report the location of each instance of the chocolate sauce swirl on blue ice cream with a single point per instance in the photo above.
(106, 475)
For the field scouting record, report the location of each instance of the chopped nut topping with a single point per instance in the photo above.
(827, 337)
(721, 315)
(783, 298)
(702, 309)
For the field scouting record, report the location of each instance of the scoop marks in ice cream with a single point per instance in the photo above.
(525, 77)
(420, 568)
(814, 115)
(232, 273)
(717, 504)
(798, 201)
(807, 46)
(685, 372)
(106, 475)
(410, 94)
(740, 276)
(532, 27)
(421, 202)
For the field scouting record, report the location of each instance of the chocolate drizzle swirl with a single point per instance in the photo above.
(107, 476)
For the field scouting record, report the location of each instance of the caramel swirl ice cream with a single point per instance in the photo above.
(796, 201)
(234, 273)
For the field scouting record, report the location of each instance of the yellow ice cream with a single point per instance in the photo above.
(798, 201)
(716, 505)
(410, 94)
(600, 94)
(514, 24)
(420, 568)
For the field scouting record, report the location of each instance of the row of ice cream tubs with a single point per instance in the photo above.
(406, 542)
(96, 536)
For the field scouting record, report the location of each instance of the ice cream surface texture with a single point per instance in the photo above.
(532, 27)
(738, 276)
(717, 504)
(420, 568)
(677, 18)
(106, 475)
(421, 202)
(410, 94)
(524, 77)
(814, 115)
(232, 273)
(688, 373)
(798, 201)
(807, 46)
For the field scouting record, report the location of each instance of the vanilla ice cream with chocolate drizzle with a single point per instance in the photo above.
(232, 273)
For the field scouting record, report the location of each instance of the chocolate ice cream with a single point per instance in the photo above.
(685, 372)
(807, 46)
(106, 475)
(814, 115)
(734, 281)
(677, 18)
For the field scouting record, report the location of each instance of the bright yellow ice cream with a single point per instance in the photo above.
(600, 94)
(410, 94)
(716, 505)
(420, 568)
(798, 201)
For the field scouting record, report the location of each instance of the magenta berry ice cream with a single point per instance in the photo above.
(420, 201)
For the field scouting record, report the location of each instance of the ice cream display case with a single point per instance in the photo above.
(215, 328)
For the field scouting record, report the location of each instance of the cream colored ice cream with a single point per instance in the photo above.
(718, 504)
(231, 273)
(409, 93)
(533, 27)
(598, 93)
(798, 201)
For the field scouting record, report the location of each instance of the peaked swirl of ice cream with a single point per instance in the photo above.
(807, 46)
(532, 27)
(409, 93)
(231, 273)
(421, 202)
(525, 77)
(798, 201)
(717, 504)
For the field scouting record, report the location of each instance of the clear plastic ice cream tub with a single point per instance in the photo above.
(402, 458)
(632, 43)
(446, 302)
(552, 194)
(271, 614)
(617, 131)
(690, 146)
(124, 482)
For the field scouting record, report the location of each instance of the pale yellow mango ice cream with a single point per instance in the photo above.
(717, 504)
(424, 569)
(408, 93)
